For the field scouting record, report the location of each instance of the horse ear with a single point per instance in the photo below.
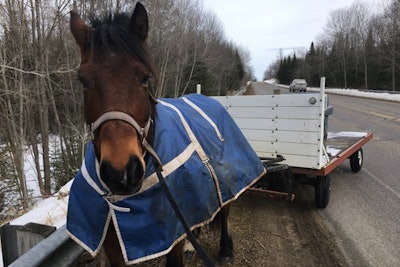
(139, 22)
(79, 29)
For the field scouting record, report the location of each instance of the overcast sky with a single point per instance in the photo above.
(264, 26)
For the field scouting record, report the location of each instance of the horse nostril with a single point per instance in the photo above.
(123, 181)
(107, 172)
(134, 169)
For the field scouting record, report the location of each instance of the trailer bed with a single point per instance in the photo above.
(339, 147)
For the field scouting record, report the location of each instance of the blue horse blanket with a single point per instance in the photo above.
(207, 163)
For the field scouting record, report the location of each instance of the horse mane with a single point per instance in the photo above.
(112, 33)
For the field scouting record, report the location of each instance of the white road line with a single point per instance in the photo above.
(382, 183)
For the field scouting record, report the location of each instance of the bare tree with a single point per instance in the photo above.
(13, 86)
(391, 20)
(360, 13)
(339, 29)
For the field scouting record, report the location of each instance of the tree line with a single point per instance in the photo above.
(360, 48)
(41, 99)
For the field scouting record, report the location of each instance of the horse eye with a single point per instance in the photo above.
(145, 81)
(84, 82)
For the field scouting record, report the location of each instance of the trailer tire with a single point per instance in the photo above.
(356, 160)
(322, 190)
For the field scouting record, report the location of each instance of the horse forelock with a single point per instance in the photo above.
(112, 33)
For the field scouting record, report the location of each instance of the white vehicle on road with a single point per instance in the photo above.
(298, 85)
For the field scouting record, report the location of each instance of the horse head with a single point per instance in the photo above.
(115, 73)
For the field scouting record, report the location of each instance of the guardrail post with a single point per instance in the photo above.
(9, 244)
(31, 234)
(56, 250)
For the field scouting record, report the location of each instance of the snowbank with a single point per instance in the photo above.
(49, 211)
(365, 94)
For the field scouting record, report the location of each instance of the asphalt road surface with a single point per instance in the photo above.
(262, 88)
(364, 209)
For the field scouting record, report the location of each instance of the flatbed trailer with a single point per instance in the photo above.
(294, 127)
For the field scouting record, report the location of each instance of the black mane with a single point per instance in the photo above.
(112, 33)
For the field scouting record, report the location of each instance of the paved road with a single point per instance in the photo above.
(262, 88)
(364, 210)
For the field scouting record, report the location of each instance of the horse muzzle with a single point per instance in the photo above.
(121, 144)
(123, 181)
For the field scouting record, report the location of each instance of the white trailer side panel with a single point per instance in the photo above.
(290, 125)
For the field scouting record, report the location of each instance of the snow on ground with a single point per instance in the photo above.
(30, 173)
(271, 81)
(49, 211)
(359, 93)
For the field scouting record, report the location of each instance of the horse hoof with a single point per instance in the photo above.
(189, 255)
(225, 260)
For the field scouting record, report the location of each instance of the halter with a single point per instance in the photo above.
(141, 131)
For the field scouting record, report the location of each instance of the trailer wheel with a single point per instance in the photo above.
(322, 191)
(356, 160)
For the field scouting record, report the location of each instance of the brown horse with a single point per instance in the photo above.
(116, 73)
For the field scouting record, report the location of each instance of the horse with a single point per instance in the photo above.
(116, 72)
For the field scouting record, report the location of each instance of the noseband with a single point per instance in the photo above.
(141, 131)
(122, 116)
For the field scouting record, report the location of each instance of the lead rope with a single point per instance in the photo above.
(200, 251)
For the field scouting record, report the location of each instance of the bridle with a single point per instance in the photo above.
(141, 131)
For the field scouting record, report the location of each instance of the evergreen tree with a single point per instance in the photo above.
(312, 67)
(373, 62)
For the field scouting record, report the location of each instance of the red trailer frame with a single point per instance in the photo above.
(349, 146)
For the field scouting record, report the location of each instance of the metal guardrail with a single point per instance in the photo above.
(56, 250)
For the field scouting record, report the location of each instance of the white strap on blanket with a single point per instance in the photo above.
(204, 115)
(90, 180)
(196, 143)
(189, 131)
(101, 192)
(152, 179)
